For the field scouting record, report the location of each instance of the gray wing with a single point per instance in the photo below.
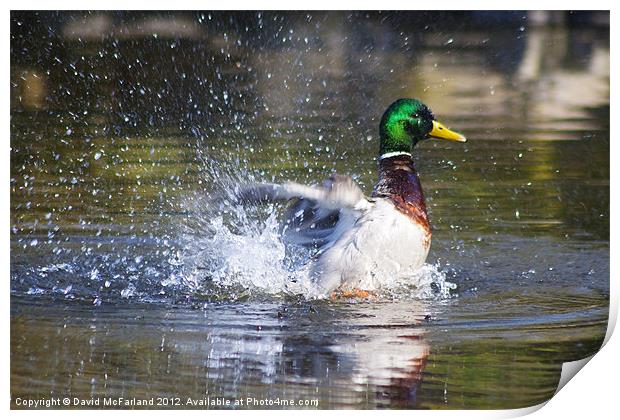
(312, 219)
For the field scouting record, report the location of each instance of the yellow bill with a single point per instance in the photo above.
(441, 132)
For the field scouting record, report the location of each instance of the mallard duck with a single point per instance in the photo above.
(359, 238)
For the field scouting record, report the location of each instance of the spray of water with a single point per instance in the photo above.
(239, 249)
(219, 250)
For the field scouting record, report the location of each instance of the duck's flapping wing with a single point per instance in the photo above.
(337, 192)
(318, 213)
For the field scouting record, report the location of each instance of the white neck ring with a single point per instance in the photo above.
(392, 154)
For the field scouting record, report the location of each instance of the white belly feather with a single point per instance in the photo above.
(377, 245)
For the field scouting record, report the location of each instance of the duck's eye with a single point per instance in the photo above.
(415, 115)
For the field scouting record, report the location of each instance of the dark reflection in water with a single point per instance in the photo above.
(113, 116)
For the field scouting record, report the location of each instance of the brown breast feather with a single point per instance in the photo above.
(399, 183)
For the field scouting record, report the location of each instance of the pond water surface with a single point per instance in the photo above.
(133, 276)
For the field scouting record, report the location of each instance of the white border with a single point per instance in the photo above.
(593, 394)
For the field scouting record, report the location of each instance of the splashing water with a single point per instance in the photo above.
(237, 249)
(218, 251)
(240, 249)
(253, 259)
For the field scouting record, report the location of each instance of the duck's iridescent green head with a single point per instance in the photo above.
(408, 121)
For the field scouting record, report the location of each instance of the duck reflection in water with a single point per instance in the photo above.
(366, 351)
